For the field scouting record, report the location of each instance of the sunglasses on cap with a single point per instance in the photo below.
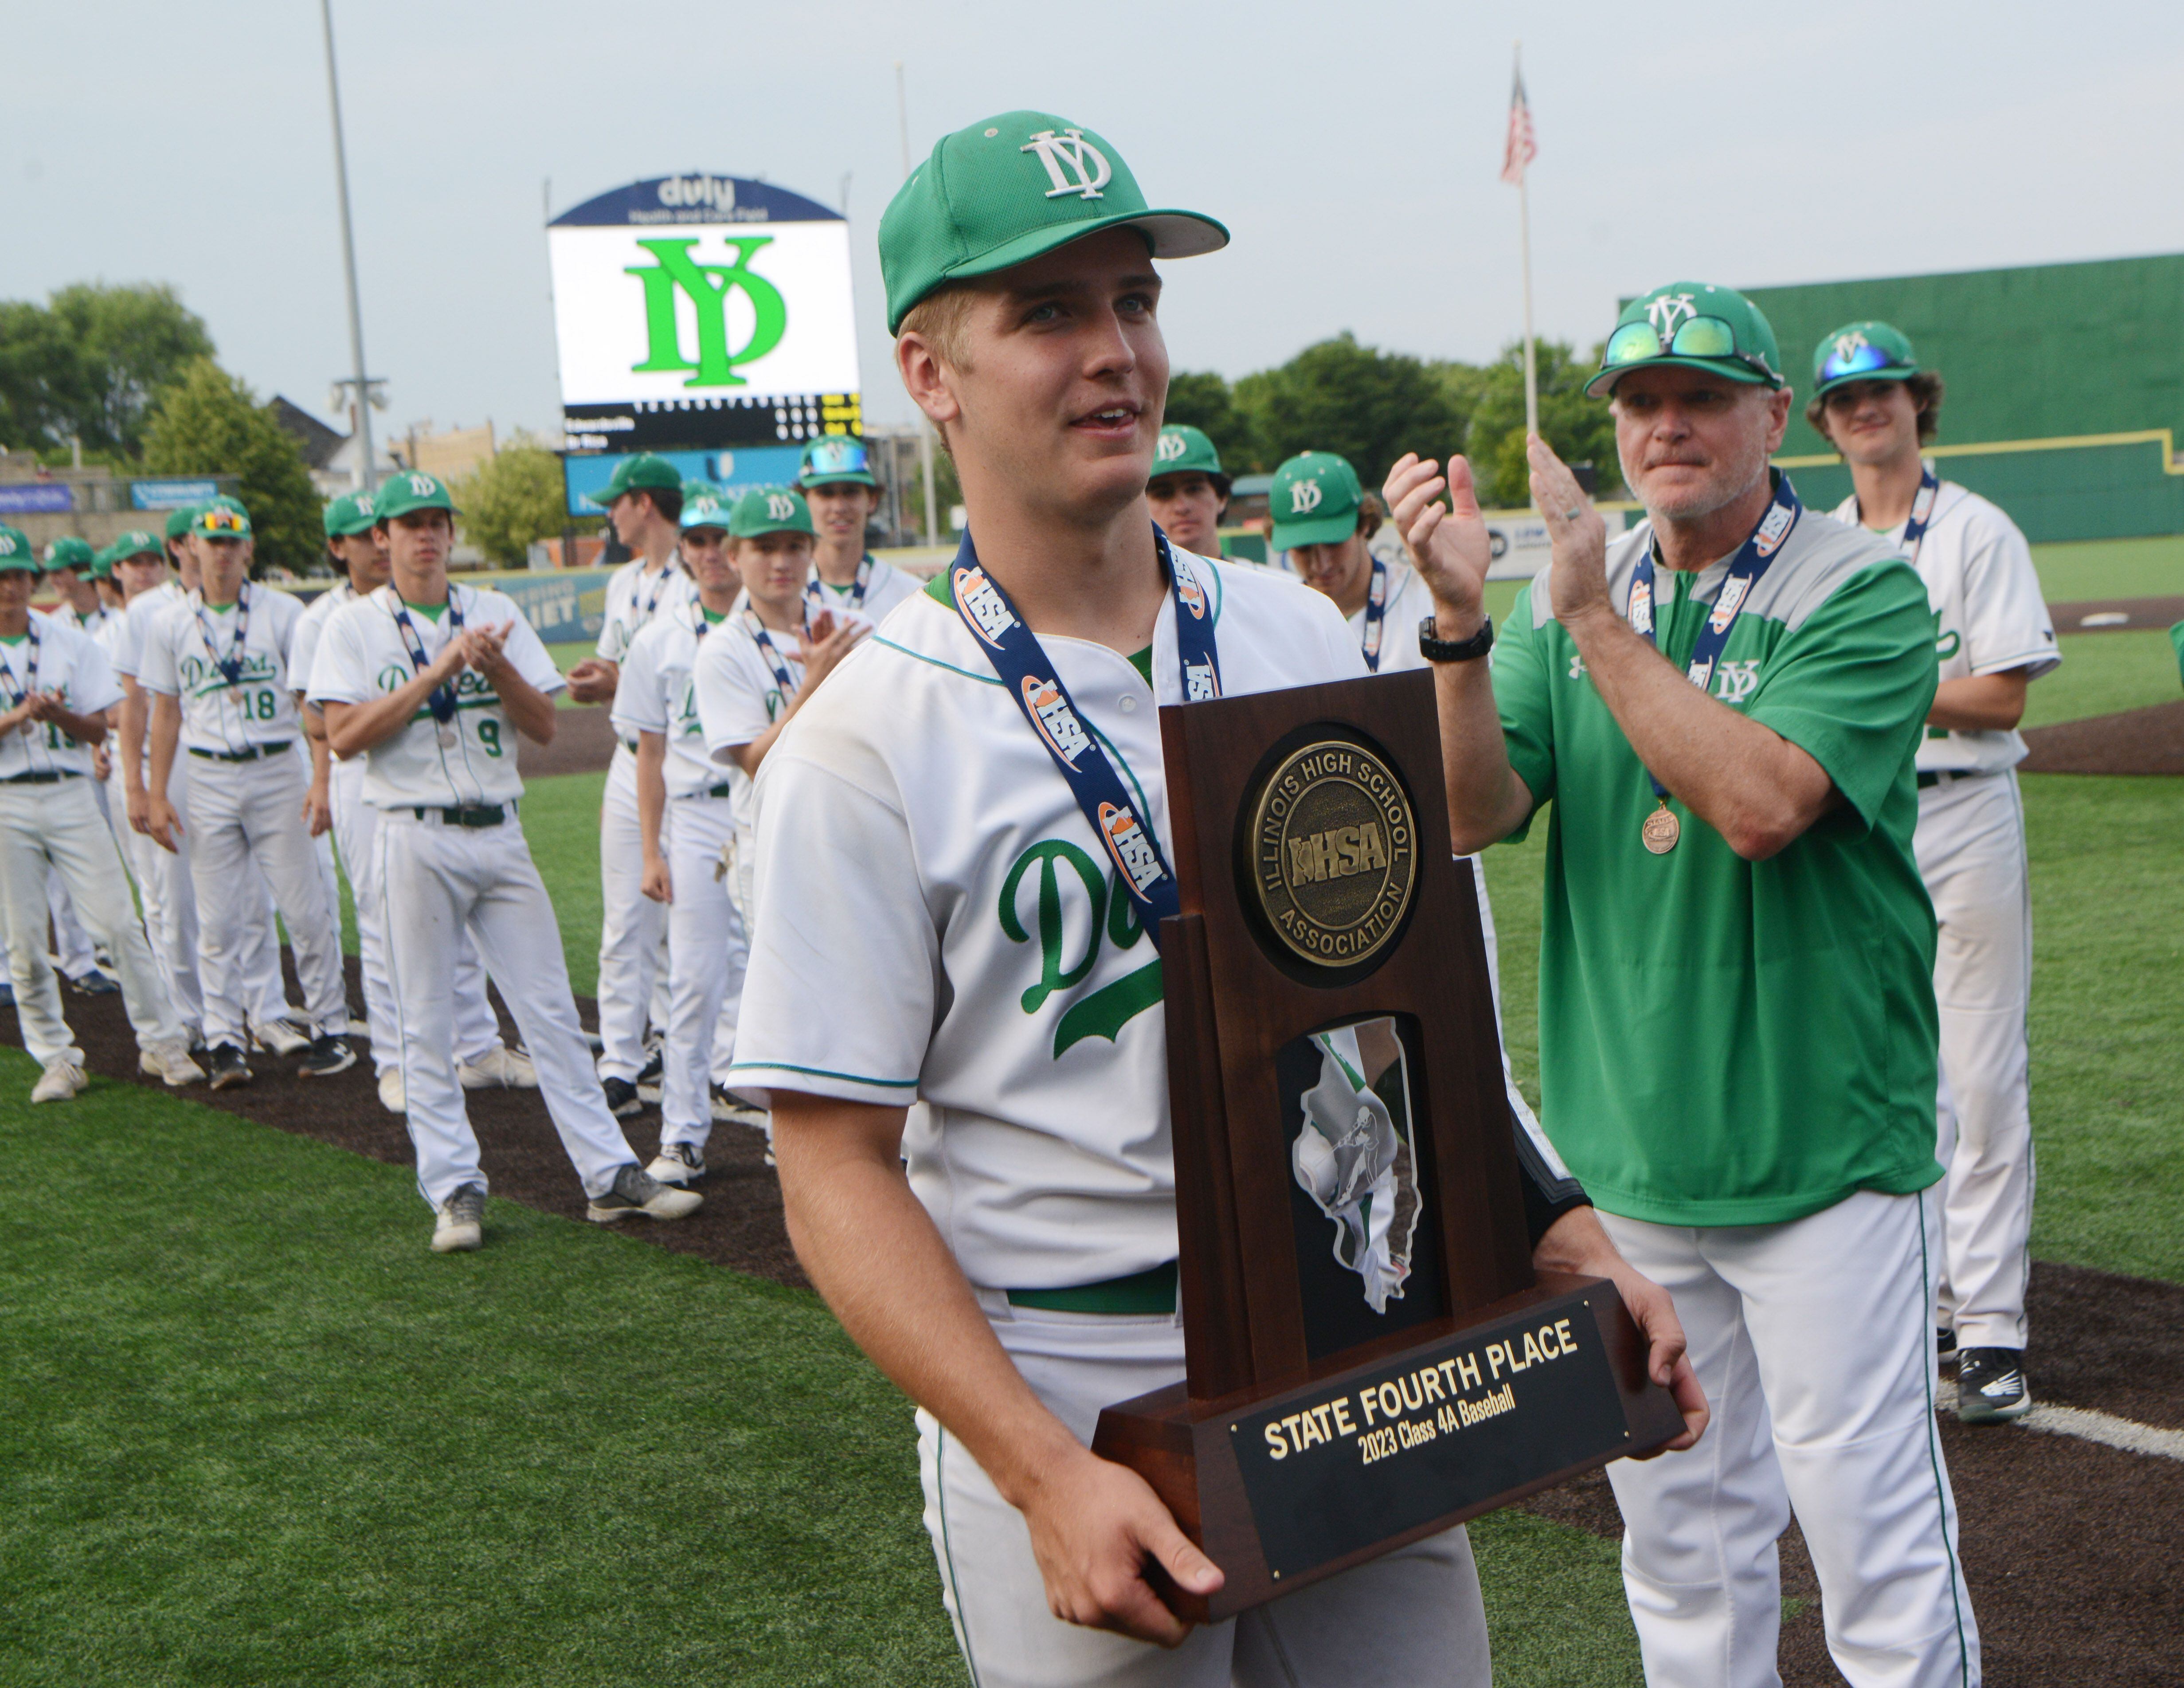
(836, 456)
(223, 522)
(1855, 358)
(1696, 336)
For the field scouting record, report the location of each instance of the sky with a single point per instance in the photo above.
(1353, 151)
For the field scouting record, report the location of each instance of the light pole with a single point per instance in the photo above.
(362, 388)
(924, 426)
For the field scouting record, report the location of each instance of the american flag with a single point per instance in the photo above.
(1520, 150)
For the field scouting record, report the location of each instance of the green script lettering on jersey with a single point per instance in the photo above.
(1110, 918)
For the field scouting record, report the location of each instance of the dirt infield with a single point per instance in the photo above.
(2116, 614)
(583, 744)
(2074, 1552)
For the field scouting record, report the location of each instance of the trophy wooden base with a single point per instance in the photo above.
(1400, 1440)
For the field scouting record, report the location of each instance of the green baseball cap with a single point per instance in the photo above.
(1182, 449)
(135, 543)
(1012, 188)
(350, 514)
(704, 508)
(408, 491)
(836, 459)
(1862, 351)
(223, 518)
(1314, 501)
(68, 552)
(102, 563)
(15, 552)
(178, 521)
(770, 509)
(644, 472)
(1693, 325)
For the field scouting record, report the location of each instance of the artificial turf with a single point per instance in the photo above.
(2090, 568)
(256, 1434)
(2104, 673)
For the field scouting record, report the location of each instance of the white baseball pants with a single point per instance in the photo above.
(72, 944)
(1413, 1617)
(1815, 1343)
(443, 880)
(242, 814)
(356, 825)
(57, 829)
(632, 988)
(163, 881)
(1971, 845)
(706, 953)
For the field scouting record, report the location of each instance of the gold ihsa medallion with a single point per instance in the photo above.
(1333, 853)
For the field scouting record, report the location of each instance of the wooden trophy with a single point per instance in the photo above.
(1370, 1357)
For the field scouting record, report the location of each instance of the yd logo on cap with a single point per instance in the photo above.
(1069, 152)
(1304, 496)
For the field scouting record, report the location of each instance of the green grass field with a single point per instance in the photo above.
(256, 1433)
(2110, 568)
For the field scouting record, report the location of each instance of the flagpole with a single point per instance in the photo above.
(1524, 236)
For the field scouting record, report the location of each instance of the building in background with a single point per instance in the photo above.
(2065, 387)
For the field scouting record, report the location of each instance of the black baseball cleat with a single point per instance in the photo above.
(1944, 1346)
(228, 1068)
(327, 1056)
(1990, 1386)
(622, 1099)
(92, 983)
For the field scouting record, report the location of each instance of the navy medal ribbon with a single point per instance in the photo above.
(1031, 680)
(1922, 511)
(231, 666)
(1376, 616)
(771, 652)
(815, 594)
(17, 695)
(1744, 569)
(442, 701)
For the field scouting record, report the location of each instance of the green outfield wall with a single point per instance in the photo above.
(2065, 387)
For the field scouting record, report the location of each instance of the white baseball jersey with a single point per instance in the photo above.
(471, 759)
(69, 662)
(1410, 601)
(886, 587)
(136, 621)
(739, 696)
(935, 919)
(634, 596)
(657, 694)
(183, 655)
(1981, 581)
(303, 647)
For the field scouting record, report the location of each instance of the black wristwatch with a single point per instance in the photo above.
(1436, 649)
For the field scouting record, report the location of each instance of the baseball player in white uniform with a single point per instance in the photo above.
(1877, 407)
(217, 667)
(132, 565)
(56, 687)
(1189, 492)
(837, 482)
(645, 502)
(910, 822)
(483, 1060)
(162, 876)
(68, 566)
(426, 684)
(686, 864)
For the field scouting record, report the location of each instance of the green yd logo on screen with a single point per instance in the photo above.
(708, 287)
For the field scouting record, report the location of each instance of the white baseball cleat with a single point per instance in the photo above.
(678, 1163)
(283, 1037)
(503, 1069)
(390, 1092)
(62, 1079)
(460, 1225)
(637, 1191)
(171, 1064)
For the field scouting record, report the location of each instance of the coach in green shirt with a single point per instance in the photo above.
(1720, 714)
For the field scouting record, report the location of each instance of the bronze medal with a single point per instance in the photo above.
(1661, 831)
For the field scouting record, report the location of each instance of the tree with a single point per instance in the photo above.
(513, 498)
(1579, 428)
(1359, 402)
(208, 422)
(1203, 400)
(90, 364)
